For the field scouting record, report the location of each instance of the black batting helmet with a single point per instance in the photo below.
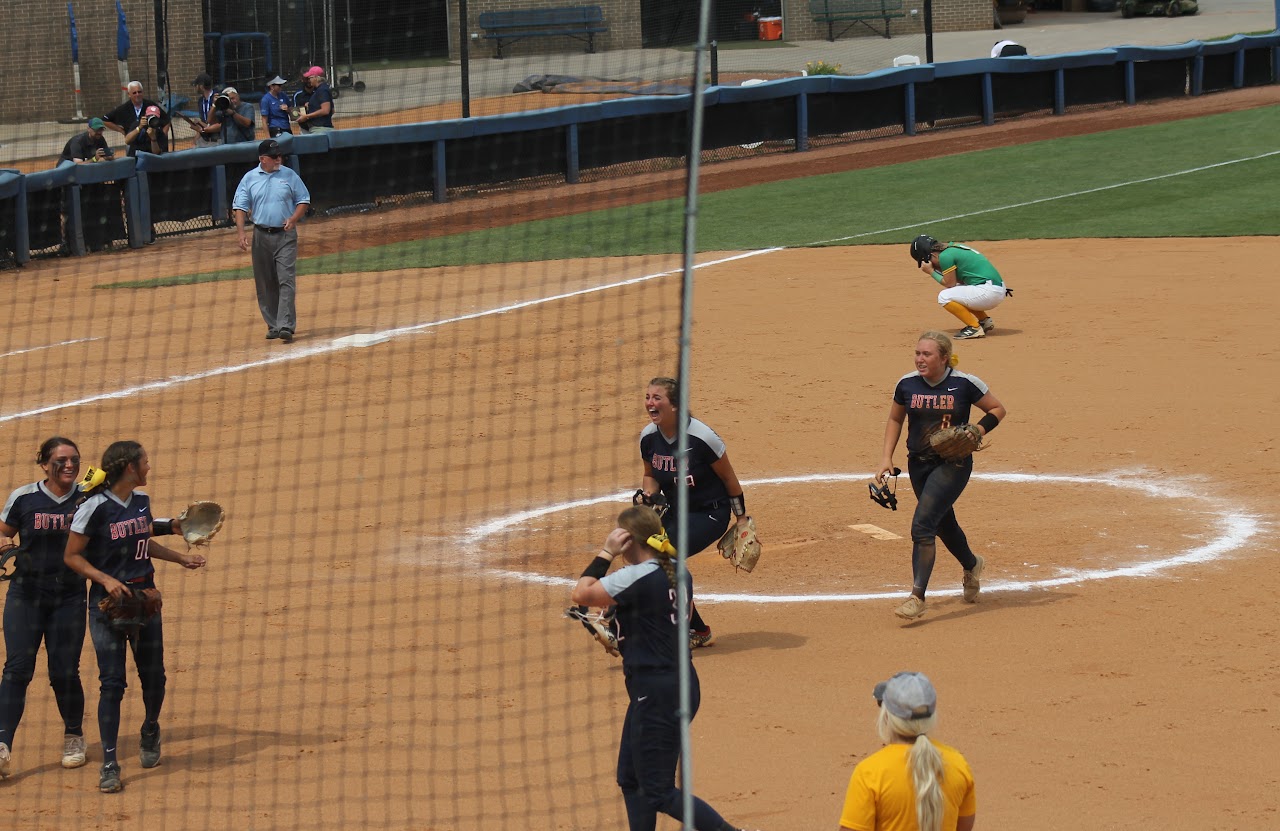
(922, 248)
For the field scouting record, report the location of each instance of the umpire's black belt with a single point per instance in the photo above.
(267, 229)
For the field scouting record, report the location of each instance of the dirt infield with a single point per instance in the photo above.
(352, 657)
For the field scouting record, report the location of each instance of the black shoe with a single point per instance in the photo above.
(109, 778)
(272, 334)
(286, 335)
(149, 747)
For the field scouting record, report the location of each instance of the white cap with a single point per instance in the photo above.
(1000, 44)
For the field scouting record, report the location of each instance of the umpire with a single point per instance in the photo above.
(274, 198)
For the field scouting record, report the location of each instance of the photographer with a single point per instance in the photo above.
(88, 146)
(234, 116)
(148, 135)
(125, 117)
(208, 128)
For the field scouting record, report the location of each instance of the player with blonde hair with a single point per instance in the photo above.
(913, 783)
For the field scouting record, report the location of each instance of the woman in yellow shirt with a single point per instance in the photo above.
(913, 783)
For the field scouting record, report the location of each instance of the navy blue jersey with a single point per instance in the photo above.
(647, 628)
(119, 536)
(42, 521)
(705, 449)
(932, 407)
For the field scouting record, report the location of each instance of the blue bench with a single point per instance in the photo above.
(855, 12)
(578, 22)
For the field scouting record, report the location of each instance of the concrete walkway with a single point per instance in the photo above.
(1043, 33)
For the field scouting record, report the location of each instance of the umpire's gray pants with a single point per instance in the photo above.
(275, 258)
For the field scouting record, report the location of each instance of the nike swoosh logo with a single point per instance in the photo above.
(952, 389)
(641, 698)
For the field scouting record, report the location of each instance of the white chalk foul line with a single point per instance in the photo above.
(339, 344)
(1233, 530)
(47, 346)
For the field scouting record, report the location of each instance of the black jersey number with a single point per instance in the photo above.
(144, 550)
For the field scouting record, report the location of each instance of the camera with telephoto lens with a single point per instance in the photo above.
(152, 122)
(221, 102)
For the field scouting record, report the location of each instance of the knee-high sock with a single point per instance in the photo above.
(979, 314)
(923, 554)
(962, 312)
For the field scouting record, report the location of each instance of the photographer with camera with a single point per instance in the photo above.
(208, 127)
(234, 116)
(125, 117)
(88, 146)
(148, 135)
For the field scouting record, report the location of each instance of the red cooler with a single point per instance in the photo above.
(770, 28)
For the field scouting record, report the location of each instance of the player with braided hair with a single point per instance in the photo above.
(936, 396)
(644, 592)
(110, 543)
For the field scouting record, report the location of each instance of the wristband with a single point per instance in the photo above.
(161, 527)
(738, 504)
(988, 422)
(937, 276)
(598, 568)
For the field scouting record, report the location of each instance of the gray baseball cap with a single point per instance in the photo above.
(277, 80)
(907, 695)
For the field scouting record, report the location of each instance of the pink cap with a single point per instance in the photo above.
(153, 110)
(313, 72)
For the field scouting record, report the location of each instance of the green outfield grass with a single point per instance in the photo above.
(970, 196)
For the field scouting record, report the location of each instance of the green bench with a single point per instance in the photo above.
(855, 12)
(581, 22)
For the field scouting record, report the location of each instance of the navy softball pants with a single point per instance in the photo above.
(147, 646)
(650, 751)
(33, 614)
(937, 485)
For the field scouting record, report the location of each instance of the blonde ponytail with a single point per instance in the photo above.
(923, 761)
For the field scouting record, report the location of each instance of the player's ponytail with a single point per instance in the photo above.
(115, 460)
(923, 761)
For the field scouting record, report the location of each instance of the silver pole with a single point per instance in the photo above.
(685, 375)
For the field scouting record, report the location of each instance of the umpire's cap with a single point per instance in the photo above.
(922, 248)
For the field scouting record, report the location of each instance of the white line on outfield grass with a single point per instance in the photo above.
(295, 354)
(1044, 199)
(1233, 530)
